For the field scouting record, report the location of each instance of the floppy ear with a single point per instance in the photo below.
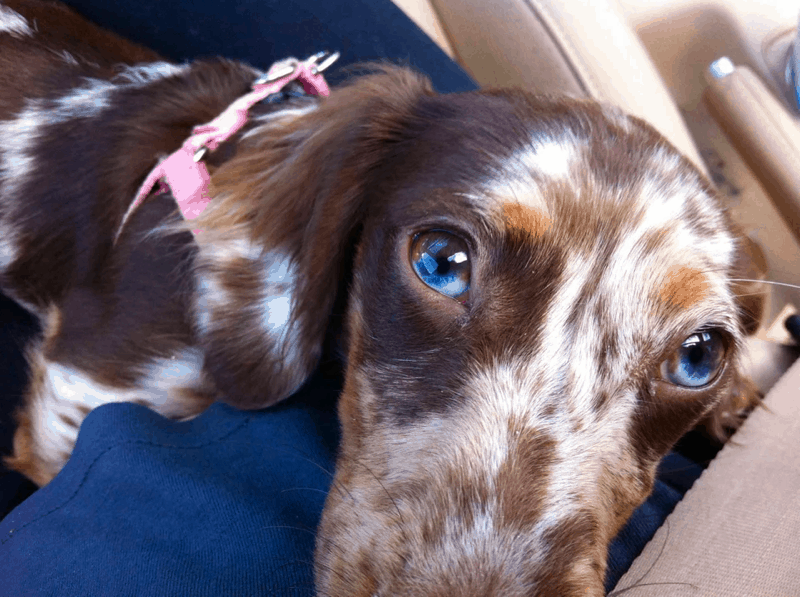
(747, 276)
(272, 242)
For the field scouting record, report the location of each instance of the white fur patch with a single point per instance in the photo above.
(66, 394)
(229, 250)
(277, 304)
(267, 122)
(520, 179)
(13, 23)
(8, 248)
(276, 312)
(142, 74)
(210, 295)
(518, 391)
(272, 308)
(19, 137)
(277, 300)
(67, 57)
(553, 158)
(86, 101)
(159, 379)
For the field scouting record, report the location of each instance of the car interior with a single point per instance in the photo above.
(717, 79)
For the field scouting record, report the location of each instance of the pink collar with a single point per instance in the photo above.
(184, 172)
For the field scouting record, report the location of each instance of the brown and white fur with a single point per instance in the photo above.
(491, 445)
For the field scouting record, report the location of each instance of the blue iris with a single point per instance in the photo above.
(441, 261)
(698, 360)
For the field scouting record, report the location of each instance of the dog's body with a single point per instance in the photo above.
(540, 303)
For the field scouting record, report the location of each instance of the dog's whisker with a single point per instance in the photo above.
(299, 489)
(324, 567)
(621, 592)
(388, 494)
(771, 282)
(331, 476)
(291, 527)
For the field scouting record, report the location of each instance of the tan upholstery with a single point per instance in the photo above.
(422, 13)
(737, 531)
(764, 133)
(580, 47)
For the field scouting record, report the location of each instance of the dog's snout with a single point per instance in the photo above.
(480, 502)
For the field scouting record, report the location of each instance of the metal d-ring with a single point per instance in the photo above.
(198, 155)
(279, 73)
(327, 60)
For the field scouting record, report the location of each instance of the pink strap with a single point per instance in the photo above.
(186, 174)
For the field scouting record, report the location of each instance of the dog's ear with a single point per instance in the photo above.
(273, 239)
(751, 292)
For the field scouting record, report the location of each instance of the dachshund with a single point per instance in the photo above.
(540, 295)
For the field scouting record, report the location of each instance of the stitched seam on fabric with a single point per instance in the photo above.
(12, 533)
(563, 44)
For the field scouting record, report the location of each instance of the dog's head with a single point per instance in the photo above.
(541, 305)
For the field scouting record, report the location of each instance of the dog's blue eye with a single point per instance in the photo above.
(441, 260)
(697, 362)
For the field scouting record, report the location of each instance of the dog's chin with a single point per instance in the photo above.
(362, 552)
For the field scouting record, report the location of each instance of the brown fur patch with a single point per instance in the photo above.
(24, 458)
(523, 478)
(523, 218)
(684, 287)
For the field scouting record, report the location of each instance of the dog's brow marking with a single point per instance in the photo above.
(684, 287)
(13, 23)
(524, 218)
(549, 157)
(515, 180)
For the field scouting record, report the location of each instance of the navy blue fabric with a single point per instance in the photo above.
(262, 31)
(676, 474)
(17, 329)
(226, 503)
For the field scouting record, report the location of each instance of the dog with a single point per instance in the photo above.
(541, 295)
